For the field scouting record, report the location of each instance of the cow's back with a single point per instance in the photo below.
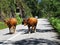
(12, 21)
(32, 21)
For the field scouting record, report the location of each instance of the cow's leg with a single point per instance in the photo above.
(9, 30)
(34, 28)
(29, 29)
(14, 27)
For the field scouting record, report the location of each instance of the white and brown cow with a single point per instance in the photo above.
(30, 22)
(11, 23)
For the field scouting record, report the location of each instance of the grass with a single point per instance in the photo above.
(19, 19)
(55, 23)
(3, 25)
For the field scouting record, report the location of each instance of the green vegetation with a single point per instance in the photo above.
(19, 19)
(51, 10)
(55, 23)
(28, 8)
(46, 8)
(2, 25)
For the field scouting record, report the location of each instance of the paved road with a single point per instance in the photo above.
(45, 35)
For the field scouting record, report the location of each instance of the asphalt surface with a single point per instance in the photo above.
(44, 35)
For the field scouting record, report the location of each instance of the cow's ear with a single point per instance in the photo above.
(27, 19)
(22, 23)
(5, 21)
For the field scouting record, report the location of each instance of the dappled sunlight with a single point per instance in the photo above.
(33, 41)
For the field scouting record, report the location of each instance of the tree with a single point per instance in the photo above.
(49, 7)
(34, 6)
(7, 8)
(24, 9)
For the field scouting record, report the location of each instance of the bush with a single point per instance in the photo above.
(58, 27)
(55, 23)
(19, 19)
(2, 25)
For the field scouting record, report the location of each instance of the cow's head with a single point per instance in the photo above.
(6, 21)
(24, 22)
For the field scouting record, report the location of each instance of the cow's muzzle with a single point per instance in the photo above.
(22, 23)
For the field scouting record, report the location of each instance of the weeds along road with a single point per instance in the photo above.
(44, 35)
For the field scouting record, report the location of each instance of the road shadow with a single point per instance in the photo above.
(47, 25)
(25, 31)
(45, 30)
(37, 30)
(1, 42)
(8, 34)
(33, 41)
(58, 37)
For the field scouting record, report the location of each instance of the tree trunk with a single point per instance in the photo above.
(13, 13)
(21, 9)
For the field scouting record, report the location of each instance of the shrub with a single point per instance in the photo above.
(19, 19)
(55, 23)
(2, 25)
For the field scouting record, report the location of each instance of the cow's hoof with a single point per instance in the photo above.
(10, 33)
(29, 32)
(35, 31)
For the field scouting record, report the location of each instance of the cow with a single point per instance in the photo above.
(30, 22)
(11, 23)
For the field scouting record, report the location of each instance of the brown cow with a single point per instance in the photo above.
(30, 22)
(11, 23)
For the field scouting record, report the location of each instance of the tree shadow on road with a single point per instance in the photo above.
(45, 30)
(37, 30)
(8, 33)
(58, 37)
(25, 31)
(1, 42)
(34, 41)
(31, 41)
